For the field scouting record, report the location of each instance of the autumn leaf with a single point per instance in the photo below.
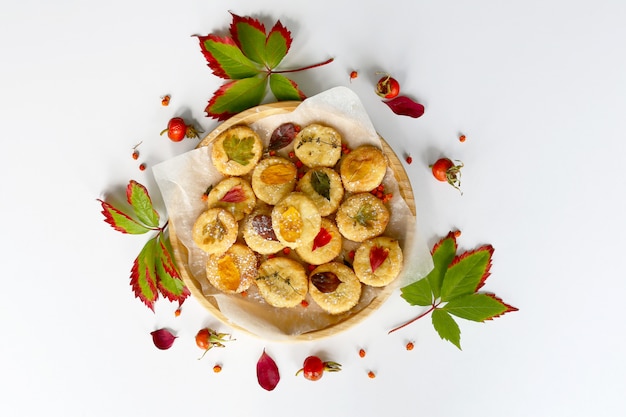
(404, 106)
(248, 59)
(234, 195)
(154, 270)
(321, 183)
(282, 136)
(451, 289)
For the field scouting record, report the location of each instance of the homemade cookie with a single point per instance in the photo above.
(317, 145)
(236, 151)
(273, 178)
(378, 261)
(296, 220)
(362, 216)
(325, 247)
(282, 282)
(233, 194)
(258, 232)
(323, 186)
(334, 287)
(232, 271)
(215, 230)
(363, 169)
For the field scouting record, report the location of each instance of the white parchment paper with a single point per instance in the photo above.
(183, 179)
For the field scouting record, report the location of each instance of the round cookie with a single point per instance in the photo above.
(378, 261)
(363, 169)
(317, 145)
(282, 282)
(234, 270)
(362, 216)
(236, 150)
(215, 230)
(334, 287)
(323, 186)
(273, 178)
(296, 220)
(325, 247)
(233, 194)
(258, 232)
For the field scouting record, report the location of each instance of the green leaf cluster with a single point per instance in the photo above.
(248, 59)
(451, 289)
(154, 271)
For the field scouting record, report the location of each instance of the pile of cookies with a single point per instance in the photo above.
(283, 224)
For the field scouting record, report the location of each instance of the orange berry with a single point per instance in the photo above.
(304, 303)
(462, 138)
(410, 346)
(457, 233)
(292, 154)
(409, 159)
(371, 374)
(299, 164)
(177, 312)
(362, 353)
(135, 154)
(272, 153)
(217, 368)
(165, 100)
(244, 293)
(142, 167)
(286, 251)
(353, 75)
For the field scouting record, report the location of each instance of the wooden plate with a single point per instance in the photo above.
(180, 251)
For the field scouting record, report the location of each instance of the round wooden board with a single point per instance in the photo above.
(180, 251)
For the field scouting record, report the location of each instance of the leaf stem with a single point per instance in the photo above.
(432, 308)
(328, 61)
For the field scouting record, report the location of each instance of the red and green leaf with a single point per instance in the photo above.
(143, 279)
(225, 58)
(447, 328)
(138, 197)
(121, 221)
(277, 44)
(169, 282)
(478, 307)
(378, 255)
(249, 35)
(467, 273)
(235, 97)
(285, 89)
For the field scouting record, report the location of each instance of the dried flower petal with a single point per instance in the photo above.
(325, 282)
(163, 339)
(404, 106)
(267, 372)
(282, 136)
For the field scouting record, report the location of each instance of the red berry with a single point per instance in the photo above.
(135, 154)
(178, 130)
(165, 100)
(462, 138)
(142, 167)
(353, 75)
(446, 171)
(409, 159)
(313, 368)
(388, 87)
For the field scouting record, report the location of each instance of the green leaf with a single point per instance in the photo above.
(447, 328)
(169, 281)
(138, 197)
(236, 96)
(478, 307)
(467, 273)
(285, 89)
(418, 293)
(443, 252)
(249, 35)
(239, 149)
(143, 279)
(365, 215)
(277, 45)
(121, 221)
(321, 183)
(226, 59)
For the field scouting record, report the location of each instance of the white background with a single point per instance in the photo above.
(538, 88)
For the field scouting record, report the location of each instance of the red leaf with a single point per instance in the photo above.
(169, 280)
(236, 96)
(163, 339)
(487, 248)
(282, 136)
(378, 255)
(121, 221)
(214, 64)
(234, 195)
(267, 372)
(322, 239)
(404, 106)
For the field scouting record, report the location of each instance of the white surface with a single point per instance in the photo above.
(539, 88)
